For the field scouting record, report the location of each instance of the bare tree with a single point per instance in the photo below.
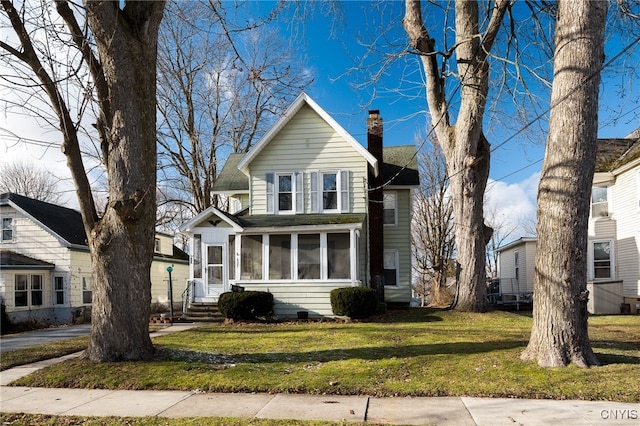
(432, 239)
(29, 180)
(115, 47)
(464, 144)
(559, 334)
(503, 230)
(219, 90)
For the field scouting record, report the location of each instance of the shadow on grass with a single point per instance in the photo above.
(365, 353)
(292, 325)
(609, 359)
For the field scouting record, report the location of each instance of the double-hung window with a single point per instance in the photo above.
(58, 290)
(391, 268)
(330, 191)
(28, 290)
(284, 192)
(7, 229)
(602, 258)
(390, 208)
(87, 289)
(599, 202)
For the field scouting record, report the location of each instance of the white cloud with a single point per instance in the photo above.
(513, 204)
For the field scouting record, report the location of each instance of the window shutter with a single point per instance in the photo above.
(270, 192)
(299, 191)
(344, 191)
(313, 193)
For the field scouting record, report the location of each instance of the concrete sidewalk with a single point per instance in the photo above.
(405, 411)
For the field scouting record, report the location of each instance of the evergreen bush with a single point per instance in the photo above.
(246, 304)
(354, 302)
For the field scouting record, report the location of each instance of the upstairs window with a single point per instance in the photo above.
(285, 192)
(390, 208)
(7, 229)
(599, 203)
(156, 245)
(330, 192)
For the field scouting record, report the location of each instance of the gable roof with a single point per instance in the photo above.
(63, 222)
(615, 153)
(301, 100)
(230, 177)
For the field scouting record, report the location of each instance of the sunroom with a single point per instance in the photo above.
(297, 258)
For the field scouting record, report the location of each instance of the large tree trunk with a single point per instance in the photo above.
(464, 145)
(467, 194)
(559, 335)
(121, 242)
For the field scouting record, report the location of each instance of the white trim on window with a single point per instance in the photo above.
(392, 261)
(341, 191)
(600, 197)
(7, 230)
(274, 182)
(598, 267)
(58, 296)
(390, 204)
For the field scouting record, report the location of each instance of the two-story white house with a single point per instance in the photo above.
(299, 220)
(613, 252)
(45, 265)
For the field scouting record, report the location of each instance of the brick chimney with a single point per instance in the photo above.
(376, 208)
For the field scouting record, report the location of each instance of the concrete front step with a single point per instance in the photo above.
(203, 312)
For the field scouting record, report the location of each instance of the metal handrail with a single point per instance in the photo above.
(186, 296)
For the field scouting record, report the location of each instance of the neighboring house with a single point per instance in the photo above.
(613, 252)
(299, 222)
(45, 266)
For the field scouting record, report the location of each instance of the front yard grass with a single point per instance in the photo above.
(417, 352)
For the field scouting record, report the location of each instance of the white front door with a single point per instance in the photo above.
(215, 274)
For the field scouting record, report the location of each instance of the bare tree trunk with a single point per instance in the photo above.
(559, 335)
(464, 145)
(122, 241)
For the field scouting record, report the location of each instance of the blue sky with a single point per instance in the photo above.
(332, 50)
(332, 57)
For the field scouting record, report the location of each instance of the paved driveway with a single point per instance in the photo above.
(38, 337)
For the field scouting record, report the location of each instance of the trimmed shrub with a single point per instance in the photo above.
(246, 304)
(354, 302)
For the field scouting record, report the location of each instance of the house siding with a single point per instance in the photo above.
(308, 144)
(398, 237)
(71, 263)
(627, 216)
(291, 297)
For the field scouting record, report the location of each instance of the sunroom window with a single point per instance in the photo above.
(338, 254)
(251, 257)
(309, 256)
(280, 257)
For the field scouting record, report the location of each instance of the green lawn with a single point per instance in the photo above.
(419, 352)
